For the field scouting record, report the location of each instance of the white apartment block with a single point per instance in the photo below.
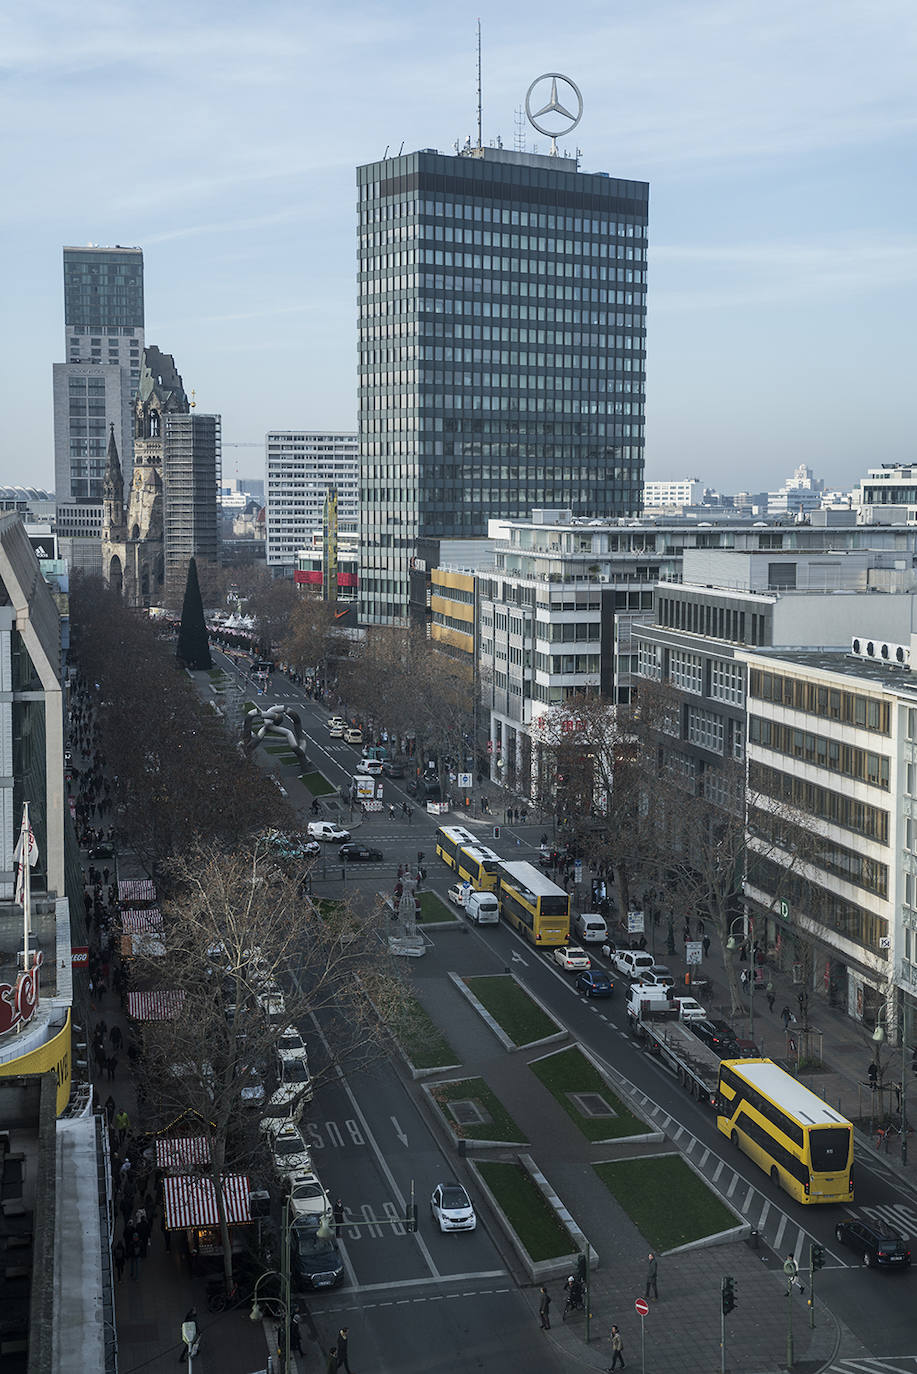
(681, 491)
(300, 467)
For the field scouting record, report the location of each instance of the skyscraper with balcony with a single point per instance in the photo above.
(502, 314)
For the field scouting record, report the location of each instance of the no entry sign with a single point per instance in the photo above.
(642, 1306)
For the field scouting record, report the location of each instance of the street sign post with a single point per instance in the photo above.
(635, 923)
(643, 1308)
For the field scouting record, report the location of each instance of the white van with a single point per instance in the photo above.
(591, 928)
(482, 908)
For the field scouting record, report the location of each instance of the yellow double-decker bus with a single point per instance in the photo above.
(802, 1142)
(534, 905)
(450, 839)
(481, 866)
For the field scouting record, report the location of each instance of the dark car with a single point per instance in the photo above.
(594, 982)
(719, 1035)
(102, 851)
(391, 769)
(424, 789)
(360, 853)
(879, 1245)
(316, 1263)
(744, 1049)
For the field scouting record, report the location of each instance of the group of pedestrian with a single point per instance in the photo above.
(337, 1355)
(617, 1340)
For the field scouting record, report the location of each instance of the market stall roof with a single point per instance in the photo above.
(154, 1006)
(138, 922)
(136, 890)
(181, 1151)
(191, 1201)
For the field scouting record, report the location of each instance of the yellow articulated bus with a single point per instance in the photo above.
(449, 840)
(802, 1142)
(481, 866)
(534, 905)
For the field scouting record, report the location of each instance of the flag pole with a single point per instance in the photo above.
(25, 876)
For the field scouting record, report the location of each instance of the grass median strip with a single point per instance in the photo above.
(512, 1008)
(526, 1210)
(433, 908)
(421, 1039)
(665, 1200)
(570, 1071)
(497, 1124)
(317, 784)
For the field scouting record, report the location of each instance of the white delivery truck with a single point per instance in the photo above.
(482, 908)
(590, 928)
(362, 787)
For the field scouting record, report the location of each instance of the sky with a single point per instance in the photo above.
(778, 139)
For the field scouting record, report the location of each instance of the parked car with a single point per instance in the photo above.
(328, 830)
(591, 928)
(316, 1263)
(663, 975)
(253, 1092)
(291, 1045)
(880, 1246)
(273, 1005)
(336, 731)
(361, 853)
(391, 769)
(335, 721)
(308, 1200)
(689, 1009)
(632, 962)
(572, 957)
(353, 735)
(369, 767)
(594, 982)
(451, 1207)
(294, 1081)
(289, 1152)
(649, 978)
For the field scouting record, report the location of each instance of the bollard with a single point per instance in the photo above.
(461, 1147)
(753, 1238)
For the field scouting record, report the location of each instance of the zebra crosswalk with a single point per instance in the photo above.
(892, 1364)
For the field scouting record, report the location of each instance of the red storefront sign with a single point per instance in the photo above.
(19, 1000)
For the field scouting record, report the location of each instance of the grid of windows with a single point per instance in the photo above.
(648, 661)
(836, 859)
(502, 347)
(686, 671)
(829, 910)
(691, 613)
(727, 681)
(869, 821)
(706, 729)
(831, 754)
(818, 699)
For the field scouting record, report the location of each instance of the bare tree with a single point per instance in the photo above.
(237, 929)
(313, 638)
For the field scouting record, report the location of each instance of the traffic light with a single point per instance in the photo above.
(581, 1270)
(816, 1257)
(728, 1293)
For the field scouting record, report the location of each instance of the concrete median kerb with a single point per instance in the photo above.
(466, 1143)
(539, 1271)
(490, 1021)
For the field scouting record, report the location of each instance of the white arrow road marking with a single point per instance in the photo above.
(518, 959)
(399, 1132)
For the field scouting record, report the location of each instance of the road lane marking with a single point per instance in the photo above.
(394, 1284)
(778, 1238)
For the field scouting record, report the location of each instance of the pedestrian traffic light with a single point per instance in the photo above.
(420, 856)
(816, 1257)
(496, 832)
(411, 1218)
(728, 1292)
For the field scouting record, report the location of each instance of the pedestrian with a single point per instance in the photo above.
(295, 1338)
(791, 1270)
(120, 1256)
(897, 1087)
(771, 996)
(115, 1037)
(110, 1109)
(617, 1348)
(136, 1254)
(332, 1364)
(111, 1065)
(743, 977)
(706, 945)
(410, 815)
(786, 1016)
(122, 1122)
(544, 1310)
(338, 1213)
(342, 1349)
(873, 1072)
(651, 1270)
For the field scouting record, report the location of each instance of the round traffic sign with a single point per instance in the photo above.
(642, 1306)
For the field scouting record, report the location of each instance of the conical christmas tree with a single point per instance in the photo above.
(193, 649)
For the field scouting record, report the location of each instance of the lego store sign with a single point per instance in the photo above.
(19, 1000)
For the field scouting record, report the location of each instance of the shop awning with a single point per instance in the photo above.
(180, 1152)
(139, 922)
(191, 1201)
(136, 890)
(154, 1006)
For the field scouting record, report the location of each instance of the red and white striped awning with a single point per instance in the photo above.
(191, 1201)
(181, 1152)
(137, 922)
(154, 1006)
(136, 890)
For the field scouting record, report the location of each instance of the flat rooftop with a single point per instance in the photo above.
(846, 664)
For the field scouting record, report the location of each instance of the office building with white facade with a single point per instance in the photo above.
(300, 467)
(679, 491)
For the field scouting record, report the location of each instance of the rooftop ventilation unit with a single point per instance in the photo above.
(881, 651)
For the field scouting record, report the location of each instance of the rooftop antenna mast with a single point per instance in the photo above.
(480, 112)
(519, 129)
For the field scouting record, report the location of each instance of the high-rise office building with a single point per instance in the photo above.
(502, 311)
(95, 386)
(300, 467)
(191, 463)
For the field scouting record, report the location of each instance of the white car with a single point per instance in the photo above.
(451, 1207)
(290, 1153)
(327, 830)
(655, 978)
(336, 731)
(295, 1081)
(458, 892)
(291, 1045)
(572, 957)
(689, 1009)
(253, 1092)
(309, 1202)
(273, 1005)
(371, 768)
(633, 963)
(336, 721)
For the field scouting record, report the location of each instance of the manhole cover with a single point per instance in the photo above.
(591, 1104)
(468, 1113)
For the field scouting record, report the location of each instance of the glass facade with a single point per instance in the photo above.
(502, 333)
(103, 288)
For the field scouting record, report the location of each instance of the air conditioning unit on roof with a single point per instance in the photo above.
(882, 651)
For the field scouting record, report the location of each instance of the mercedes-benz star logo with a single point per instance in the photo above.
(553, 106)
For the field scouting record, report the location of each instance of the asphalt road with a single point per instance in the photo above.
(433, 1302)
